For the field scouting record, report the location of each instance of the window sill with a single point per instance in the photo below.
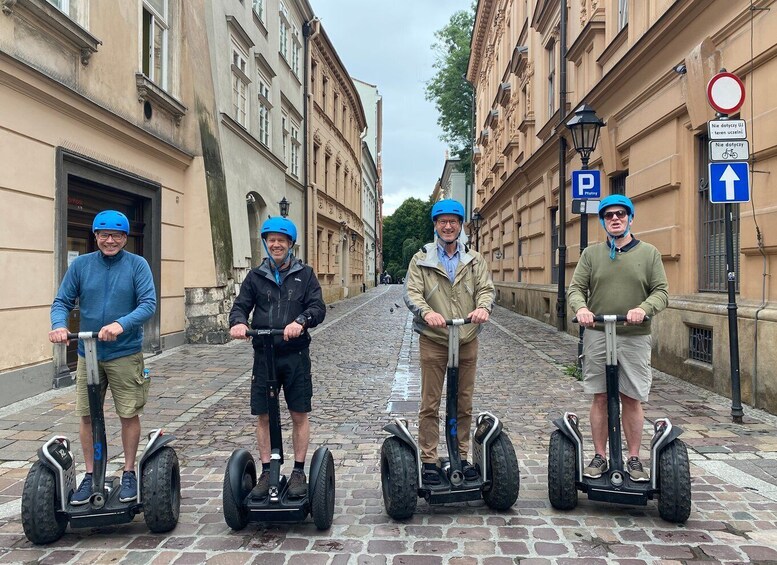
(51, 19)
(148, 91)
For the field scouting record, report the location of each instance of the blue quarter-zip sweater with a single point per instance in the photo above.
(108, 289)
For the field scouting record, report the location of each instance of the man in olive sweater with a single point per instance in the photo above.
(621, 276)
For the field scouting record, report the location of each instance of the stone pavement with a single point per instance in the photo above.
(366, 369)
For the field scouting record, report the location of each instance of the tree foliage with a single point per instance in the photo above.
(449, 90)
(405, 232)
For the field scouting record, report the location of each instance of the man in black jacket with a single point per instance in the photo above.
(284, 294)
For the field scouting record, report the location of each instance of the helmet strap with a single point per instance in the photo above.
(613, 238)
(276, 269)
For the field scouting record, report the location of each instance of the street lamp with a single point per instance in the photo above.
(584, 127)
(476, 219)
(354, 235)
(284, 206)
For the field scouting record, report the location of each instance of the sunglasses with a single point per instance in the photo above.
(620, 214)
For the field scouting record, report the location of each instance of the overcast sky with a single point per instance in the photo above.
(388, 44)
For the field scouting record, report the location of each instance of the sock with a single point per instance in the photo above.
(133, 472)
(265, 467)
(299, 466)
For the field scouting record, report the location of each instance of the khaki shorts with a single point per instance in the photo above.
(125, 377)
(634, 375)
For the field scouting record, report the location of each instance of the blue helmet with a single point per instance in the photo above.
(616, 200)
(448, 206)
(111, 220)
(279, 225)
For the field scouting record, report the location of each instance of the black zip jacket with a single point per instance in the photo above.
(277, 306)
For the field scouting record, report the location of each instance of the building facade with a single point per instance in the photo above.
(336, 119)
(644, 67)
(453, 184)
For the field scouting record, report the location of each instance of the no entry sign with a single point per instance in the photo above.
(726, 93)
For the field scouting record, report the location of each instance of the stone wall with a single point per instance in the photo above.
(207, 314)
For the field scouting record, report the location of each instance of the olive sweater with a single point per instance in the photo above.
(635, 278)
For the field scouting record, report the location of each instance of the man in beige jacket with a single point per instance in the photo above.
(446, 280)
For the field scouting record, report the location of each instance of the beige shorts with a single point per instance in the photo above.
(125, 377)
(634, 375)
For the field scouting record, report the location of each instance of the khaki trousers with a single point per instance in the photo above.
(434, 362)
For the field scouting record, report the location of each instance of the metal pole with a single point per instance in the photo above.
(561, 298)
(733, 333)
(583, 245)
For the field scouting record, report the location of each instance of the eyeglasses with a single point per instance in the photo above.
(611, 215)
(114, 236)
(452, 223)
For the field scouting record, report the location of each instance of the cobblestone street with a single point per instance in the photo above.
(365, 365)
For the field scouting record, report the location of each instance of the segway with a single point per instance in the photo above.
(46, 510)
(670, 479)
(240, 507)
(493, 456)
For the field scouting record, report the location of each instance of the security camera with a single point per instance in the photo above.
(680, 69)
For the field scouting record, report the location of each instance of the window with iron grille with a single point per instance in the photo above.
(618, 183)
(712, 232)
(553, 246)
(700, 344)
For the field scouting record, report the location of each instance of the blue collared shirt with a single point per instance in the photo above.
(449, 262)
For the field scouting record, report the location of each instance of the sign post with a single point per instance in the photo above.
(729, 177)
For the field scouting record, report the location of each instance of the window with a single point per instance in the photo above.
(325, 87)
(296, 49)
(618, 183)
(258, 7)
(623, 14)
(264, 110)
(551, 51)
(61, 5)
(240, 82)
(335, 99)
(315, 163)
(313, 77)
(283, 46)
(345, 110)
(295, 150)
(285, 138)
(553, 246)
(326, 173)
(712, 239)
(700, 344)
(156, 26)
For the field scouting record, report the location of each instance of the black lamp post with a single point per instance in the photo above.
(354, 235)
(476, 219)
(284, 206)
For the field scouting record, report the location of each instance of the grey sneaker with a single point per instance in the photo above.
(298, 484)
(262, 486)
(635, 470)
(81, 496)
(596, 467)
(129, 487)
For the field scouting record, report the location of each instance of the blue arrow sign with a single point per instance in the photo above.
(586, 184)
(729, 182)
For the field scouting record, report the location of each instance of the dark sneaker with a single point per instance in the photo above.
(262, 486)
(635, 470)
(298, 484)
(431, 476)
(129, 487)
(81, 496)
(470, 473)
(596, 467)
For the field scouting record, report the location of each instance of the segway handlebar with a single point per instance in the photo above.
(601, 318)
(257, 333)
(458, 322)
(83, 335)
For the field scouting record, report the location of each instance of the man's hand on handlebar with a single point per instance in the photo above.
(293, 330)
(110, 332)
(635, 316)
(238, 331)
(478, 316)
(434, 320)
(585, 317)
(58, 335)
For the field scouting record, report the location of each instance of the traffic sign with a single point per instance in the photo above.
(585, 206)
(726, 93)
(586, 184)
(729, 150)
(727, 129)
(729, 182)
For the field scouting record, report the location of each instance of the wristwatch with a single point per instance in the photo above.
(302, 321)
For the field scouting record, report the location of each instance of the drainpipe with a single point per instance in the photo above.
(561, 301)
(307, 33)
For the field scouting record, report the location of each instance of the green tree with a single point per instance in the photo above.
(449, 90)
(405, 232)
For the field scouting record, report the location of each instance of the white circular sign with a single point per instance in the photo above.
(726, 93)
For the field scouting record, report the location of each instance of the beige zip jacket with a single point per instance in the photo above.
(428, 289)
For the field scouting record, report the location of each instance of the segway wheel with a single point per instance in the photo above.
(160, 491)
(239, 479)
(502, 493)
(562, 490)
(40, 519)
(674, 483)
(322, 494)
(399, 478)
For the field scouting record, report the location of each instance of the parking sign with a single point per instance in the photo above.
(586, 184)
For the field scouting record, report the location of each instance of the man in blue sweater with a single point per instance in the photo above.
(116, 295)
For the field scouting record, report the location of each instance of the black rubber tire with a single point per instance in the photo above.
(674, 483)
(40, 519)
(235, 512)
(398, 478)
(562, 471)
(502, 493)
(160, 491)
(322, 495)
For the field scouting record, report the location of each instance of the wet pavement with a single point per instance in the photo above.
(365, 364)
